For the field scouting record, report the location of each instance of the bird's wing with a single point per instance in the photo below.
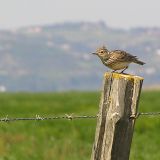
(121, 56)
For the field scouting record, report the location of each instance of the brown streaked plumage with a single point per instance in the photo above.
(116, 59)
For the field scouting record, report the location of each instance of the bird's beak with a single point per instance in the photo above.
(94, 53)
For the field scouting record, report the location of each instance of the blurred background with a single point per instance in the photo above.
(45, 46)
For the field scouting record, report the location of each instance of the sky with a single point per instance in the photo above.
(115, 13)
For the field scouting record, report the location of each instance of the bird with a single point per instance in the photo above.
(116, 59)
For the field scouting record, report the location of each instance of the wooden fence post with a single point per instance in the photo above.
(115, 127)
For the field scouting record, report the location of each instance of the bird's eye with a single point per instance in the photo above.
(101, 51)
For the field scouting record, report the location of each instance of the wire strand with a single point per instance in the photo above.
(69, 117)
(39, 118)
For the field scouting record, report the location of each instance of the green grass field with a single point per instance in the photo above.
(64, 139)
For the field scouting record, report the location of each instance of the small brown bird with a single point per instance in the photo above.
(116, 59)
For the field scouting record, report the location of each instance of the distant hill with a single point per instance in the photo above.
(57, 57)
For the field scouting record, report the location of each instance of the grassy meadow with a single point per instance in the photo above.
(64, 139)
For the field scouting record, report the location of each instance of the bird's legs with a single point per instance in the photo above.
(114, 71)
(124, 69)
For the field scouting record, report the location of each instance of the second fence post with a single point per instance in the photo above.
(119, 101)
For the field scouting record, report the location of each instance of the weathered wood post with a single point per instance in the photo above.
(119, 101)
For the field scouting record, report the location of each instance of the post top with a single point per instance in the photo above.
(122, 75)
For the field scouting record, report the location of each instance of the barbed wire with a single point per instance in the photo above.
(69, 117)
(40, 118)
(148, 114)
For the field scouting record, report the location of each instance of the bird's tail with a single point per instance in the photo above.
(139, 62)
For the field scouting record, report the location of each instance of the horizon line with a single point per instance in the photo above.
(75, 22)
